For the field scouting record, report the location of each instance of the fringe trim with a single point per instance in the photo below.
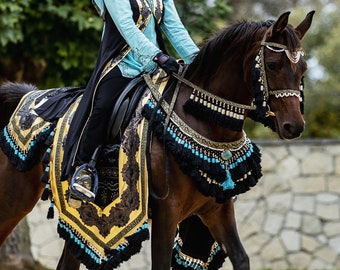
(24, 161)
(260, 114)
(114, 257)
(233, 120)
(180, 261)
(237, 178)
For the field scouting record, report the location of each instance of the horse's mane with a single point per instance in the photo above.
(231, 42)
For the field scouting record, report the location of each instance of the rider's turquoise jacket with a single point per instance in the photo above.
(131, 39)
(144, 46)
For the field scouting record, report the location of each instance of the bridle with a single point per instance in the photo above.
(294, 58)
(264, 90)
(216, 105)
(230, 114)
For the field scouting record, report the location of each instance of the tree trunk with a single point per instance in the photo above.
(15, 253)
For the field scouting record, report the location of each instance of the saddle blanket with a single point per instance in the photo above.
(100, 236)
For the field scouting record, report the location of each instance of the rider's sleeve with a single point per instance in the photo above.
(177, 33)
(121, 14)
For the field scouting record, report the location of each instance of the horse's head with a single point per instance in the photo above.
(280, 67)
(226, 82)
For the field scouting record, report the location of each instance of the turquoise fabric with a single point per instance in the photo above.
(144, 45)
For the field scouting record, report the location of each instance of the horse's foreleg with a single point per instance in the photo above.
(164, 223)
(19, 192)
(222, 225)
(68, 261)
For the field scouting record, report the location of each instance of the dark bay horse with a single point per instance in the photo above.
(225, 70)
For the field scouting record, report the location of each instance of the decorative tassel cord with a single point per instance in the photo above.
(207, 106)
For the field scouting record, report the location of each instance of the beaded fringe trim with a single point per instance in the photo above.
(221, 170)
(211, 108)
(91, 258)
(24, 160)
(188, 262)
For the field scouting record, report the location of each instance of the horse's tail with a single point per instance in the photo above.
(10, 96)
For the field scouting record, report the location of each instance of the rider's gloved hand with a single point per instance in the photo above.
(167, 63)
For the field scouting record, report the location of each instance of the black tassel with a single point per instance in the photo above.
(46, 193)
(50, 138)
(46, 156)
(50, 213)
(202, 112)
(45, 177)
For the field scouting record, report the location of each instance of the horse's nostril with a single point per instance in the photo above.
(288, 127)
(294, 130)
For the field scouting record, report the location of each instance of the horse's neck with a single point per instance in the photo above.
(228, 81)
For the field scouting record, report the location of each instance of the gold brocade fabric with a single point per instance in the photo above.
(100, 231)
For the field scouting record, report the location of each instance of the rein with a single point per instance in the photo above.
(237, 110)
(219, 110)
(212, 96)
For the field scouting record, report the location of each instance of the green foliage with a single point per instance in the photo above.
(202, 18)
(10, 21)
(66, 35)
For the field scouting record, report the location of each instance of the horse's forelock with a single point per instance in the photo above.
(292, 39)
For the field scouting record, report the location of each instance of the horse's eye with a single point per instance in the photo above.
(271, 65)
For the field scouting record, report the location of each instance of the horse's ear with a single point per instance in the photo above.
(303, 27)
(280, 24)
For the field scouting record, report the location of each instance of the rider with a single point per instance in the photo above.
(131, 44)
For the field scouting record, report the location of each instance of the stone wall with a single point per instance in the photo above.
(291, 219)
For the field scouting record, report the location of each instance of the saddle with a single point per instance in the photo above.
(120, 117)
(123, 110)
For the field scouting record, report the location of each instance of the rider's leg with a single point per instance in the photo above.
(95, 131)
(106, 95)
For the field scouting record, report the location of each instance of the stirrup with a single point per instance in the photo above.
(88, 169)
(79, 191)
(84, 188)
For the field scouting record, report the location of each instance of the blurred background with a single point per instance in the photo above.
(54, 43)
